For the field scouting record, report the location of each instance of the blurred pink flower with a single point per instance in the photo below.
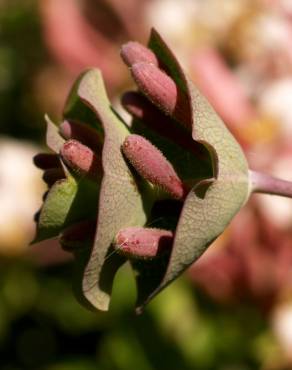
(77, 43)
(254, 266)
(221, 87)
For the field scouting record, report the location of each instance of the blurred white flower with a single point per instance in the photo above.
(172, 18)
(21, 191)
(186, 21)
(276, 101)
(282, 327)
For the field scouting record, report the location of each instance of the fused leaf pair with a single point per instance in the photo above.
(156, 193)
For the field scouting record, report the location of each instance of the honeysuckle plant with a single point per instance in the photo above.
(156, 192)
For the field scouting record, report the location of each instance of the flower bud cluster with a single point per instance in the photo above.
(160, 104)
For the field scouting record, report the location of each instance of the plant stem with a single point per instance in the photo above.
(262, 183)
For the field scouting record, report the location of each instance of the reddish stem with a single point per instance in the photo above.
(262, 183)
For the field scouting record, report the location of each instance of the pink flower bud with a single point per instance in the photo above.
(45, 161)
(78, 235)
(145, 243)
(81, 159)
(141, 108)
(150, 163)
(83, 133)
(162, 91)
(133, 52)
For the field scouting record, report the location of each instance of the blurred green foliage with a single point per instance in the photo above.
(22, 54)
(43, 327)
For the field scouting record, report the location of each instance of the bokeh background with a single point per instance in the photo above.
(232, 310)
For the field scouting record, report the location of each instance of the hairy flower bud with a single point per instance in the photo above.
(134, 52)
(162, 91)
(150, 163)
(140, 107)
(81, 159)
(145, 243)
(81, 132)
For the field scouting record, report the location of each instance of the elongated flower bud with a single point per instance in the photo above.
(83, 133)
(150, 163)
(141, 108)
(45, 161)
(143, 243)
(162, 91)
(134, 52)
(78, 235)
(81, 159)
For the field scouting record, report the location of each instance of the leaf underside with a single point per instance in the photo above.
(120, 203)
(53, 139)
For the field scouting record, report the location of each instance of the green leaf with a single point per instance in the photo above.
(56, 208)
(120, 202)
(53, 138)
(213, 202)
(69, 201)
